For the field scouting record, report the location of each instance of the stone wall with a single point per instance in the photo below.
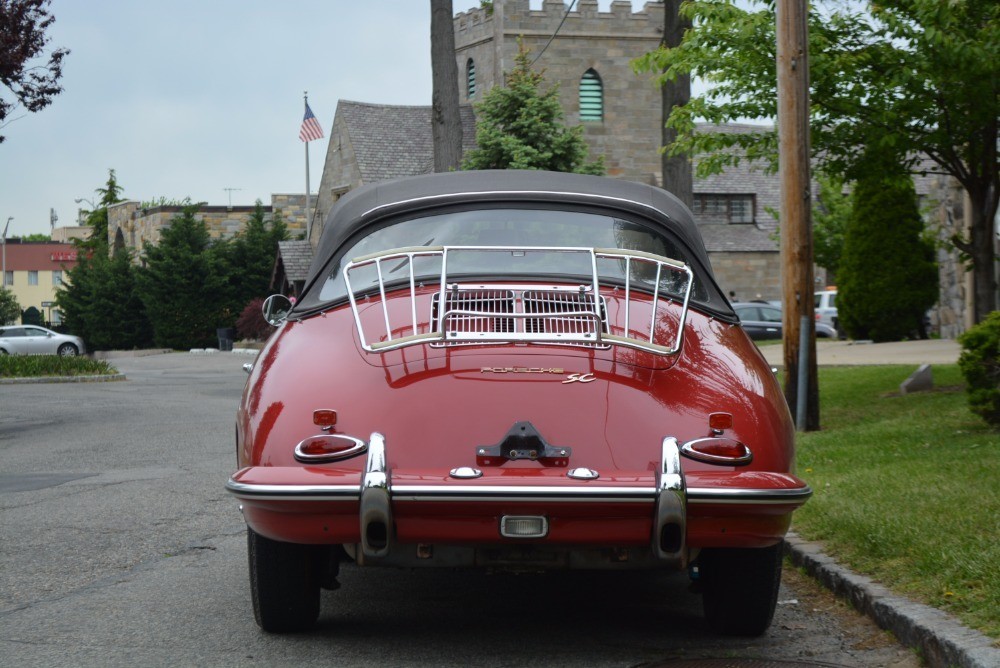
(748, 275)
(952, 314)
(130, 226)
(340, 174)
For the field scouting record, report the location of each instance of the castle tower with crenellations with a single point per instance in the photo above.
(588, 53)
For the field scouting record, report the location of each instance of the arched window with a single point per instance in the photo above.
(591, 97)
(470, 72)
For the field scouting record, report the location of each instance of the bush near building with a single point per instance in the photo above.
(980, 364)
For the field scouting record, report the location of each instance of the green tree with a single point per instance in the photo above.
(115, 315)
(520, 127)
(182, 283)
(888, 275)
(248, 259)
(76, 296)
(97, 219)
(922, 75)
(830, 218)
(73, 296)
(10, 310)
(22, 42)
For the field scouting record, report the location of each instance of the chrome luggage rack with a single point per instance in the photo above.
(507, 313)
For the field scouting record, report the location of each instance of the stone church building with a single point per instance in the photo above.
(588, 54)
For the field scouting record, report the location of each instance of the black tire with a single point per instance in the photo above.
(68, 350)
(284, 584)
(740, 588)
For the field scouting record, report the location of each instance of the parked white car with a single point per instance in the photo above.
(826, 310)
(34, 340)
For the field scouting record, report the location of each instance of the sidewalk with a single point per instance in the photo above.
(854, 353)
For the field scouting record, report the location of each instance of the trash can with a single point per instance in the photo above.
(226, 337)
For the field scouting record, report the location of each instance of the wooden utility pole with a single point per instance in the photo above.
(797, 287)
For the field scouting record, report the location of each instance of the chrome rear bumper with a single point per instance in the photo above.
(373, 495)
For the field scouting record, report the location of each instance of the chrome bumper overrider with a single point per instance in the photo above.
(670, 496)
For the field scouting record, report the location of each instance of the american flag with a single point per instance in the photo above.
(310, 127)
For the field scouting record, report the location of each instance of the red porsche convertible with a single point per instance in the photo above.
(523, 370)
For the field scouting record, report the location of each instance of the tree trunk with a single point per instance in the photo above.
(983, 252)
(676, 169)
(446, 121)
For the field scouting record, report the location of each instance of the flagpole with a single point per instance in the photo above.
(305, 96)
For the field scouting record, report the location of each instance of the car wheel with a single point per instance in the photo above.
(284, 584)
(740, 588)
(67, 350)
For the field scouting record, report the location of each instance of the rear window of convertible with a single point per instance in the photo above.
(506, 227)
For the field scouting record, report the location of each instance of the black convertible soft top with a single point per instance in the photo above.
(368, 205)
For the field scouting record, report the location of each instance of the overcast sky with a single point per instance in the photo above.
(187, 98)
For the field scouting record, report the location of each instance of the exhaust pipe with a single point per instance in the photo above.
(670, 523)
(376, 511)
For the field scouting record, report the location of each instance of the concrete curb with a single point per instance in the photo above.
(62, 379)
(941, 640)
(145, 352)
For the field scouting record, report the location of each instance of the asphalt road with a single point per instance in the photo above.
(119, 547)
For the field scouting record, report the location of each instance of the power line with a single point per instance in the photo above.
(558, 28)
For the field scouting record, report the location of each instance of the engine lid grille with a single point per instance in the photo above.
(556, 315)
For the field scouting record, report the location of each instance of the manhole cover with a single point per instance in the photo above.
(738, 663)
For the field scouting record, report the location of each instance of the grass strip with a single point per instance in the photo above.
(38, 366)
(907, 489)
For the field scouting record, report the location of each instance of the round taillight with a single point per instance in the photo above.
(718, 450)
(328, 448)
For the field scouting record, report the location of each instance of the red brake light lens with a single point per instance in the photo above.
(718, 450)
(328, 448)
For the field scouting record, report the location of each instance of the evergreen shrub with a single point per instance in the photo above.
(980, 364)
(888, 278)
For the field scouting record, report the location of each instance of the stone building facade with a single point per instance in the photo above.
(131, 226)
(584, 47)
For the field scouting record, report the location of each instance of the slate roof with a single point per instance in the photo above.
(296, 256)
(737, 238)
(393, 141)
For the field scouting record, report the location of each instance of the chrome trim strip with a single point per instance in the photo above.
(526, 493)
(695, 495)
(736, 495)
(252, 491)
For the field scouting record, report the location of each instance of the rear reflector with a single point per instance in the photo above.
(324, 417)
(720, 421)
(718, 450)
(523, 526)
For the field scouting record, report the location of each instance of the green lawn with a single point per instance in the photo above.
(907, 489)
